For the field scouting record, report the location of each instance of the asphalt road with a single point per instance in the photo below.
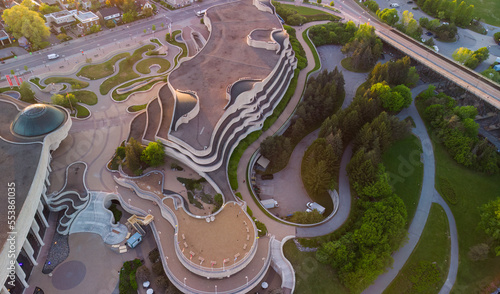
(460, 75)
(74, 47)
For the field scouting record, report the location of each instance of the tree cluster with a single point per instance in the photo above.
(21, 21)
(364, 48)
(290, 16)
(394, 99)
(67, 101)
(470, 58)
(372, 5)
(333, 33)
(410, 26)
(445, 32)
(363, 250)
(459, 13)
(137, 157)
(389, 16)
(323, 96)
(457, 130)
(492, 74)
(395, 73)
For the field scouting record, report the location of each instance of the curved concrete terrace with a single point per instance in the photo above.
(224, 59)
(242, 280)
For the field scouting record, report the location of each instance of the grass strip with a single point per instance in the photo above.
(75, 84)
(125, 72)
(135, 108)
(86, 97)
(101, 70)
(143, 65)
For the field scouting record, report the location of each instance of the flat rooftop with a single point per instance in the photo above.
(19, 159)
(225, 59)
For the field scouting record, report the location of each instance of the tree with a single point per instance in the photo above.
(462, 54)
(133, 151)
(68, 101)
(153, 154)
(47, 9)
(27, 94)
(24, 22)
(147, 11)
(129, 16)
(490, 218)
(372, 5)
(153, 27)
(389, 16)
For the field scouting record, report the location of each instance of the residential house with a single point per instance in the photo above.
(142, 4)
(85, 20)
(4, 36)
(179, 3)
(109, 13)
(59, 19)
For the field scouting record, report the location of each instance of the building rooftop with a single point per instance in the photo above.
(224, 60)
(37, 119)
(109, 11)
(84, 16)
(18, 160)
(58, 14)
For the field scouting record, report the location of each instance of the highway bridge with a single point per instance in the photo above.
(464, 77)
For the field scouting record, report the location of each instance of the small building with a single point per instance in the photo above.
(142, 4)
(86, 19)
(59, 19)
(23, 42)
(110, 13)
(134, 240)
(4, 38)
(179, 3)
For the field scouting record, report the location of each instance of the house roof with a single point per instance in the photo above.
(109, 11)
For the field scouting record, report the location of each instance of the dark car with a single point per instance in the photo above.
(428, 34)
(410, 2)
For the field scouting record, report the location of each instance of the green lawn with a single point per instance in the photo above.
(143, 65)
(402, 162)
(346, 63)
(125, 72)
(312, 276)
(82, 111)
(304, 10)
(101, 70)
(121, 97)
(75, 84)
(434, 246)
(472, 190)
(181, 45)
(487, 10)
(311, 14)
(87, 97)
(36, 81)
(135, 108)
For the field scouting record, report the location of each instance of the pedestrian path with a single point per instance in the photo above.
(427, 197)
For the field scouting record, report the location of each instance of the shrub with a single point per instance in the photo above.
(158, 268)
(154, 255)
(133, 281)
(249, 211)
(496, 37)
(372, 5)
(143, 273)
(162, 282)
(448, 191)
(332, 4)
(479, 252)
(261, 227)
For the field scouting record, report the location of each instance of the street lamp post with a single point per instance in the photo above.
(246, 277)
(184, 282)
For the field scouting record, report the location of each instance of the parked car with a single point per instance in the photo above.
(394, 5)
(410, 2)
(428, 34)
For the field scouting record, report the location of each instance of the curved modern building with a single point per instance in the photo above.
(226, 91)
(28, 134)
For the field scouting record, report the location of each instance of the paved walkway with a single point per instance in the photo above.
(280, 230)
(427, 196)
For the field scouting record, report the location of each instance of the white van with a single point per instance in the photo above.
(201, 13)
(394, 5)
(53, 56)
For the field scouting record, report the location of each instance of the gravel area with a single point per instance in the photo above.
(58, 252)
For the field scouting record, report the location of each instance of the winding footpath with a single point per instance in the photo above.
(428, 195)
